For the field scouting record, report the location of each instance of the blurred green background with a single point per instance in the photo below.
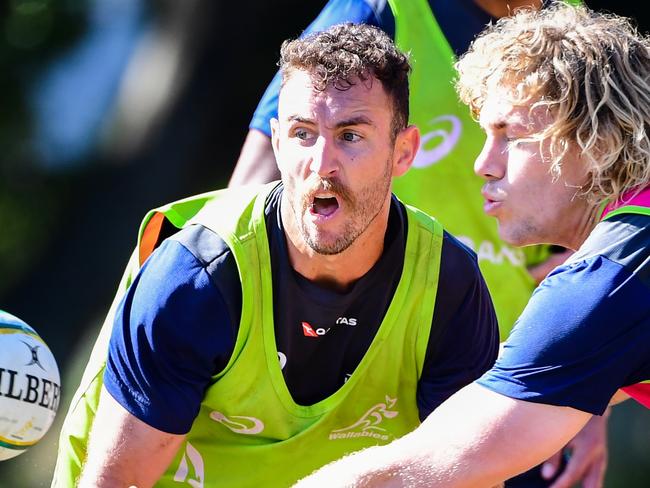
(111, 107)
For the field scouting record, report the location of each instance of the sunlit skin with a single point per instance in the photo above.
(337, 156)
(530, 206)
(502, 8)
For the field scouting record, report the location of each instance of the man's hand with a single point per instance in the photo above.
(588, 458)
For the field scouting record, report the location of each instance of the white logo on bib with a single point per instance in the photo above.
(495, 253)
(196, 460)
(449, 139)
(368, 424)
(238, 423)
(282, 357)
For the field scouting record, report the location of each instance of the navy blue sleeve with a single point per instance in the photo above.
(583, 335)
(171, 333)
(464, 340)
(335, 12)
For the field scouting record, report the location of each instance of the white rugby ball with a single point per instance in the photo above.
(29, 386)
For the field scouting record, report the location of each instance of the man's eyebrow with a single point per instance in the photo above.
(299, 119)
(356, 120)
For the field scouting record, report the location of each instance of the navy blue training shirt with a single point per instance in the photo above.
(586, 330)
(177, 324)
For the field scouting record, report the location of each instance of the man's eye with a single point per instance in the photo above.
(350, 137)
(513, 141)
(301, 134)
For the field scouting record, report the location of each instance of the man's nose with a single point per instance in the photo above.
(324, 161)
(491, 163)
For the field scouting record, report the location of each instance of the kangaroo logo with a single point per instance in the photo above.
(249, 426)
(368, 424)
(34, 351)
(449, 139)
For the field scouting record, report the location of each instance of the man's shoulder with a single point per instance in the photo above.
(182, 258)
(458, 261)
(211, 254)
(613, 264)
(460, 276)
(459, 250)
(203, 243)
(623, 240)
(193, 269)
(564, 349)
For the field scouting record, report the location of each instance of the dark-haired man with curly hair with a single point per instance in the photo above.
(441, 181)
(279, 327)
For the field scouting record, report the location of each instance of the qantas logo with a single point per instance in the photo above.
(369, 423)
(239, 424)
(309, 331)
(347, 321)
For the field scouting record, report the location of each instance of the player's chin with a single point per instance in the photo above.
(507, 233)
(516, 236)
(327, 243)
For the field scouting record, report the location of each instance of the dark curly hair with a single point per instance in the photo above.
(345, 53)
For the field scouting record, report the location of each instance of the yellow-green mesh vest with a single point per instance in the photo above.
(249, 431)
(441, 181)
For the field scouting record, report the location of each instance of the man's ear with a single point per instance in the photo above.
(407, 144)
(275, 133)
(275, 137)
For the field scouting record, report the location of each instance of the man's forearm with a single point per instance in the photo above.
(476, 438)
(399, 464)
(124, 451)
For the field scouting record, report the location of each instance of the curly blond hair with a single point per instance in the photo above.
(591, 70)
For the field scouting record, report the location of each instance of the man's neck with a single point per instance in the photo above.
(581, 228)
(336, 271)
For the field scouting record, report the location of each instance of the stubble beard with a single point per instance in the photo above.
(523, 233)
(364, 207)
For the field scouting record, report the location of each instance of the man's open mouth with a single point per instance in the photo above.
(324, 206)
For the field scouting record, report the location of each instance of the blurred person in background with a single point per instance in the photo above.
(563, 96)
(441, 181)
